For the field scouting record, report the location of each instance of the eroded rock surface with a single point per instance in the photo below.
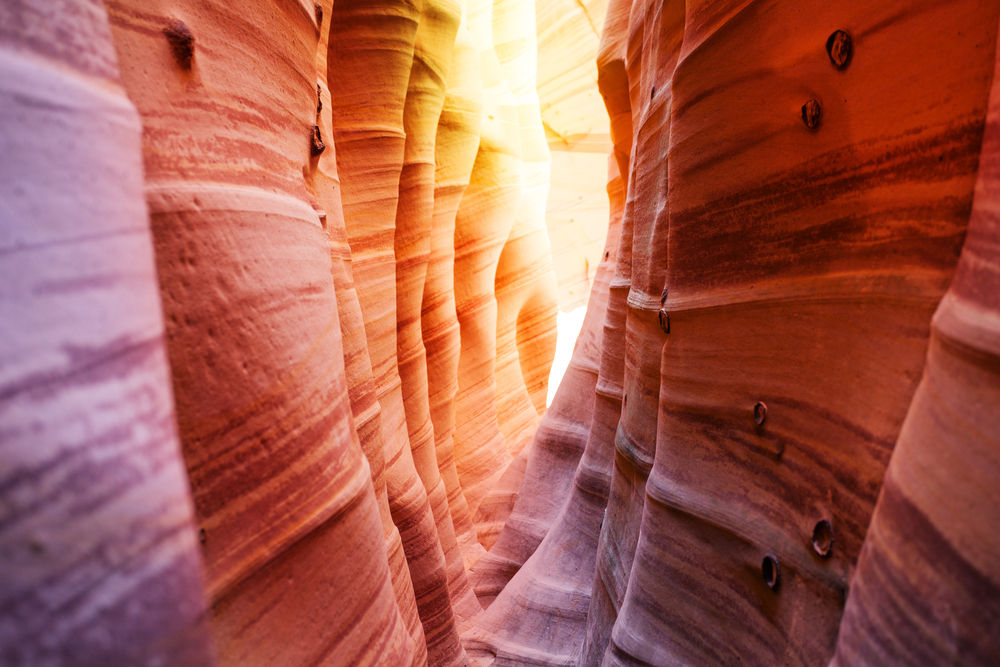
(274, 350)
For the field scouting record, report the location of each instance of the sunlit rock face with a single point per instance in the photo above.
(577, 131)
(323, 183)
(278, 312)
(456, 146)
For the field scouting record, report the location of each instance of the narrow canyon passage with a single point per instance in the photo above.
(279, 291)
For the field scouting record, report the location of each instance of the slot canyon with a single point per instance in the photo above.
(443, 333)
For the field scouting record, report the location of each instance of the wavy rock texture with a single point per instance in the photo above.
(776, 442)
(928, 577)
(259, 223)
(524, 285)
(456, 145)
(482, 225)
(875, 237)
(425, 98)
(639, 276)
(563, 432)
(755, 395)
(99, 558)
(281, 487)
(368, 120)
(323, 183)
(548, 594)
(559, 440)
(525, 282)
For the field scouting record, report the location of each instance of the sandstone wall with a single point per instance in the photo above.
(791, 220)
(99, 558)
(280, 282)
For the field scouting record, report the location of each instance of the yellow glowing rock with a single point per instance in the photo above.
(378, 38)
(425, 98)
(577, 130)
(482, 225)
(324, 184)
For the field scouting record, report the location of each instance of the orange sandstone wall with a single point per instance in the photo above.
(323, 182)
(787, 233)
(524, 283)
(482, 225)
(821, 221)
(926, 585)
(456, 145)
(368, 129)
(326, 254)
(283, 494)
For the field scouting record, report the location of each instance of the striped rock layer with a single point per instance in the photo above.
(99, 561)
(791, 221)
(280, 283)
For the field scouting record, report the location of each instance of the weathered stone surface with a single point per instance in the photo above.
(540, 609)
(368, 128)
(482, 226)
(752, 517)
(292, 204)
(425, 98)
(456, 145)
(828, 253)
(777, 439)
(99, 561)
(927, 586)
(323, 183)
(560, 439)
(282, 490)
(524, 285)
